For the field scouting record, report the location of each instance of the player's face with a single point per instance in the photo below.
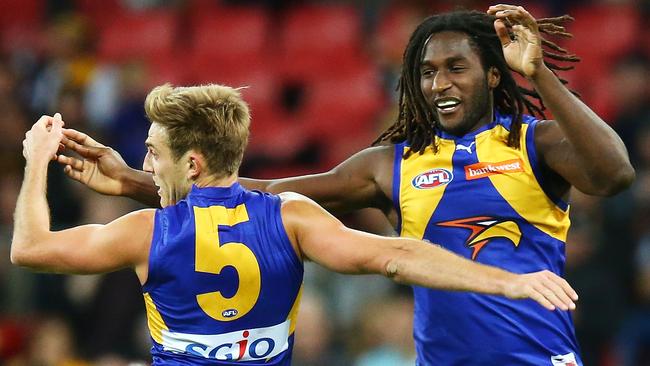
(455, 84)
(169, 174)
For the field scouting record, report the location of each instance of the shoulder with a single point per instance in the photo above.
(369, 162)
(547, 134)
(292, 202)
(297, 209)
(139, 219)
(137, 224)
(374, 152)
(373, 156)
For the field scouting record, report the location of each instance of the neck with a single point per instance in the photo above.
(212, 181)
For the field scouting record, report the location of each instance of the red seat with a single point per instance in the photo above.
(319, 41)
(139, 35)
(232, 33)
(166, 70)
(101, 13)
(23, 13)
(393, 32)
(335, 107)
(601, 33)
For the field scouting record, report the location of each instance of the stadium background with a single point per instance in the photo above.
(321, 79)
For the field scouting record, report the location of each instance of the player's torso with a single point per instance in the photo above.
(224, 281)
(482, 199)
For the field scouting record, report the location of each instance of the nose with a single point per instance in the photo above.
(440, 82)
(146, 164)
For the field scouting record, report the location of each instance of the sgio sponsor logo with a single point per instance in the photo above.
(432, 178)
(242, 345)
(240, 350)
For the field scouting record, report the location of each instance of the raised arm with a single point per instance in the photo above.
(363, 180)
(578, 145)
(320, 237)
(84, 249)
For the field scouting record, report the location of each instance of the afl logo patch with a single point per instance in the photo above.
(432, 178)
(229, 313)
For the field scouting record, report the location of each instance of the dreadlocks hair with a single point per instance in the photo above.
(416, 121)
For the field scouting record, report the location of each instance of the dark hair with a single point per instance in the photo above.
(416, 122)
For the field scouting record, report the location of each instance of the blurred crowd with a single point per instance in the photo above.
(320, 78)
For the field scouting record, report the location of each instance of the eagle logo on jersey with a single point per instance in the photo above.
(485, 228)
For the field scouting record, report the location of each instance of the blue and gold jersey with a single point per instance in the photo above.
(224, 281)
(485, 201)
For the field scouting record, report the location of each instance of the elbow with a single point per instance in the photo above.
(616, 182)
(392, 271)
(18, 257)
(22, 254)
(395, 267)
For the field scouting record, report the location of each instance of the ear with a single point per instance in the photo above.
(493, 77)
(196, 164)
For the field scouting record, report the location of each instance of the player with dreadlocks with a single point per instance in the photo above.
(417, 122)
(467, 168)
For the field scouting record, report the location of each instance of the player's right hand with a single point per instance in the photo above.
(545, 287)
(99, 167)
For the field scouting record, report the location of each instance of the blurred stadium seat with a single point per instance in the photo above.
(601, 33)
(100, 13)
(229, 33)
(340, 106)
(23, 13)
(319, 41)
(21, 25)
(144, 35)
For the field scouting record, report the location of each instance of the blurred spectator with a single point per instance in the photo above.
(633, 340)
(385, 333)
(71, 62)
(52, 344)
(631, 81)
(314, 343)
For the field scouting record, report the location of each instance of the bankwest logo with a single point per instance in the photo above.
(482, 170)
(243, 345)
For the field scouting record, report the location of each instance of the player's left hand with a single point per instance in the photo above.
(545, 287)
(523, 51)
(43, 140)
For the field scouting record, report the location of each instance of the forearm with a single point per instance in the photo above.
(139, 186)
(599, 149)
(434, 267)
(31, 218)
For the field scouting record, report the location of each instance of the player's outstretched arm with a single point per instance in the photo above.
(102, 169)
(355, 183)
(84, 249)
(578, 144)
(320, 237)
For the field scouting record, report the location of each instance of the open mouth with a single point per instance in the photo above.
(446, 105)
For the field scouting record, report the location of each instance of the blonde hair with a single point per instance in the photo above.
(212, 119)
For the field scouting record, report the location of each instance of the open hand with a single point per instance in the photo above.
(523, 51)
(100, 167)
(545, 287)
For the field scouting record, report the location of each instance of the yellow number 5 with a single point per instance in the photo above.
(212, 257)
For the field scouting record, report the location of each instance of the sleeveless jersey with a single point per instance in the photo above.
(224, 281)
(487, 202)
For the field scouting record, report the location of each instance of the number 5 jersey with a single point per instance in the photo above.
(224, 281)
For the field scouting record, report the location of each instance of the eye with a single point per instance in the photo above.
(428, 72)
(457, 68)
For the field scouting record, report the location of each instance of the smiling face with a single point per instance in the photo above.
(455, 84)
(169, 174)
